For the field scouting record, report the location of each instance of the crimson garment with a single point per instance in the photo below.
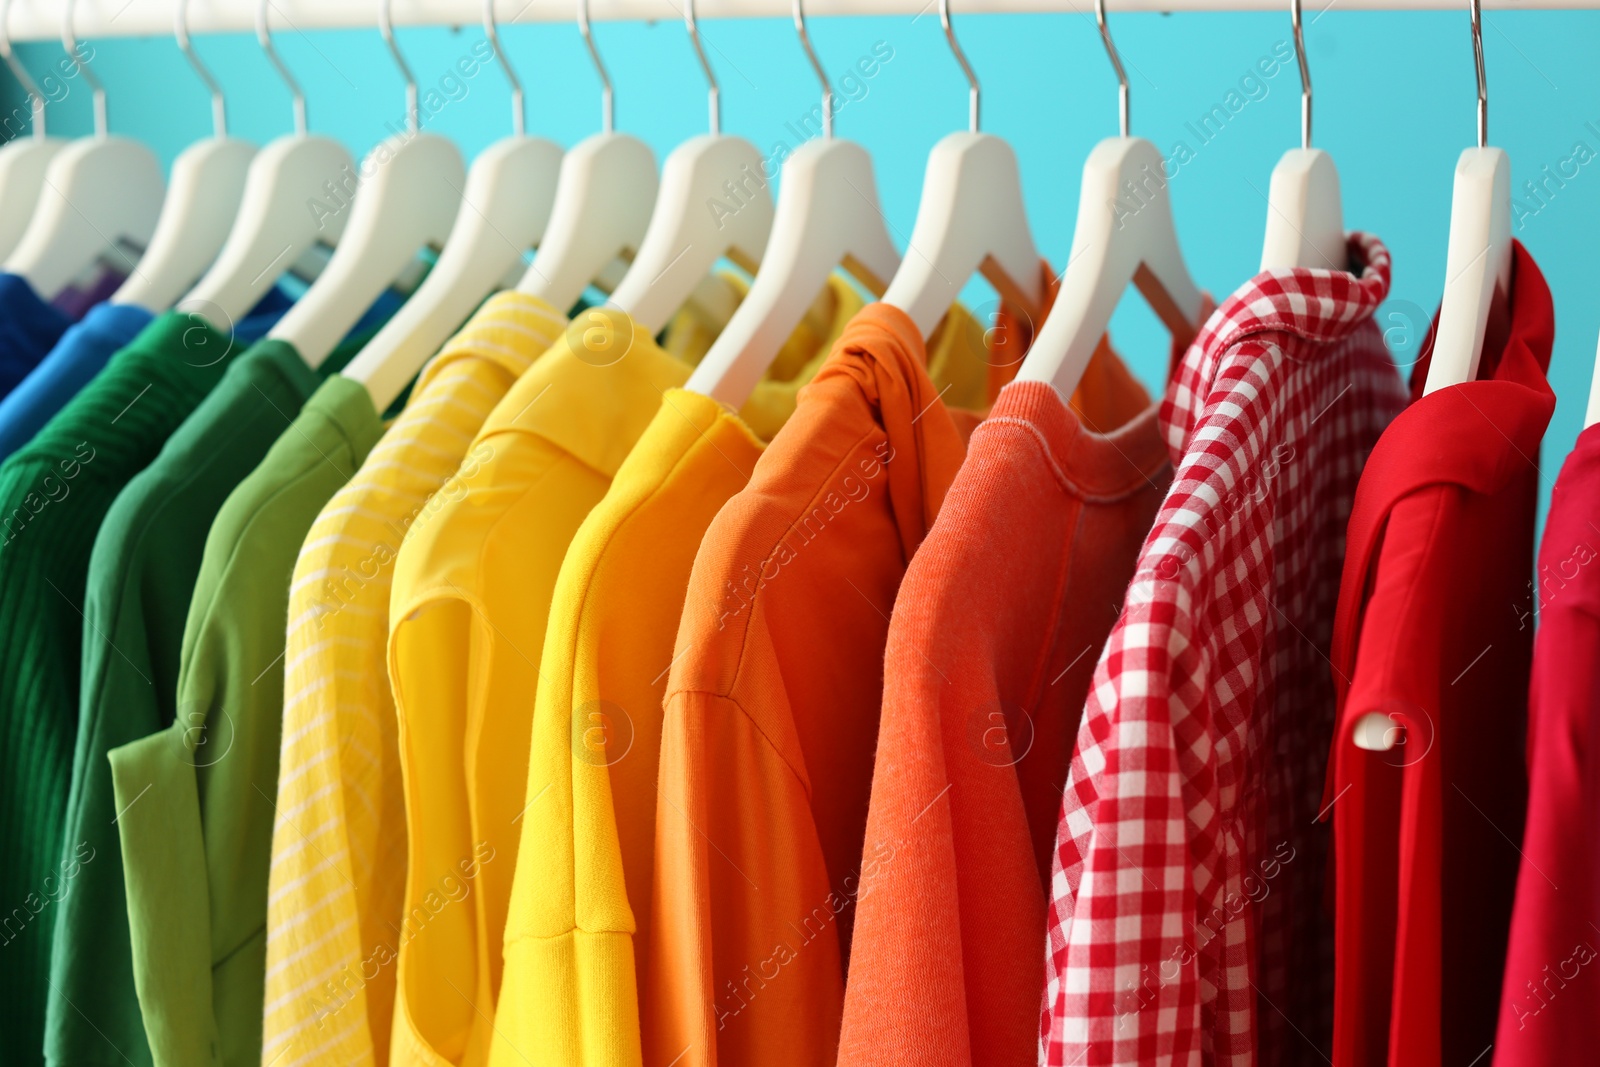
(1189, 878)
(1550, 1007)
(1430, 634)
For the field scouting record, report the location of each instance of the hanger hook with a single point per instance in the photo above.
(816, 65)
(31, 87)
(69, 41)
(713, 93)
(966, 68)
(1116, 63)
(1483, 81)
(264, 37)
(607, 104)
(492, 32)
(1305, 74)
(219, 106)
(386, 27)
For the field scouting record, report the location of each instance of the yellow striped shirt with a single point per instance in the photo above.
(334, 924)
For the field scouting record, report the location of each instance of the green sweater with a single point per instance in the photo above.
(141, 577)
(198, 797)
(53, 493)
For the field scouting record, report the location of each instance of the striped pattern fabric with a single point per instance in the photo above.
(339, 844)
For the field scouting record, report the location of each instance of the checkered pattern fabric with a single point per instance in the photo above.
(1186, 922)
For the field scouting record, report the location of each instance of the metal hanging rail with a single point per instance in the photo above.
(39, 20)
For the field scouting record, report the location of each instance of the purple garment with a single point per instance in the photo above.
(75, 300)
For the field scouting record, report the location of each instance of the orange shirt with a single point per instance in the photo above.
(994, 637)
(771, 711)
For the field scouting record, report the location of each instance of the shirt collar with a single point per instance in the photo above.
(1302, 305)
(271, 357)
(594, 392)
(1479, 433)
(1313, 303)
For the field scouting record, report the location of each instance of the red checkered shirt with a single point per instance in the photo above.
(1186, 922)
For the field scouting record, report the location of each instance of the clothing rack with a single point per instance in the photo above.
(40, 20)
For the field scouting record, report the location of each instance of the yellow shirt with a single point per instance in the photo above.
(576, 930)
(469, 607)
(339, 844)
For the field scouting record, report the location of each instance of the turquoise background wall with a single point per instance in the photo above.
(1394, 105)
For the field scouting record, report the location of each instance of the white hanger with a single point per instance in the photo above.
(1478, 262)
(409, 201)
(276, 224)
(510, 189)
(100, 193)
(971, 217)
(827, 215)
(604, 195)
(1305, 224)
(1124, 234)
(201, 203)
(23, 160)
(1592, 415)
(687, 234)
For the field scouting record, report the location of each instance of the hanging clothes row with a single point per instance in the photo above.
(624, 635)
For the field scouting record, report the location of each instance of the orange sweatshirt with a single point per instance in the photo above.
(993, 639)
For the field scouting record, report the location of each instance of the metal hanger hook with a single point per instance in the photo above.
(1116, 64)
(607, 98)
(69, 41)
(264, 37)
(219, 106)
(31, 87)
(966, 68)
(1483, 81)
(492, 32)
(713, 92)
(816, 65)
(386, 27)
(1305, 74)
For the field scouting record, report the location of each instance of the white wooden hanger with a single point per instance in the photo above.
(1124, 234)
(971, 217)
(23, 160)
(604, 195)
(201, 203)
(409, 200)
(827, 215)
(276, 224)
(505, 208)
(101, 193)
(1305, 223)
(688, 234)
(1478, 263)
